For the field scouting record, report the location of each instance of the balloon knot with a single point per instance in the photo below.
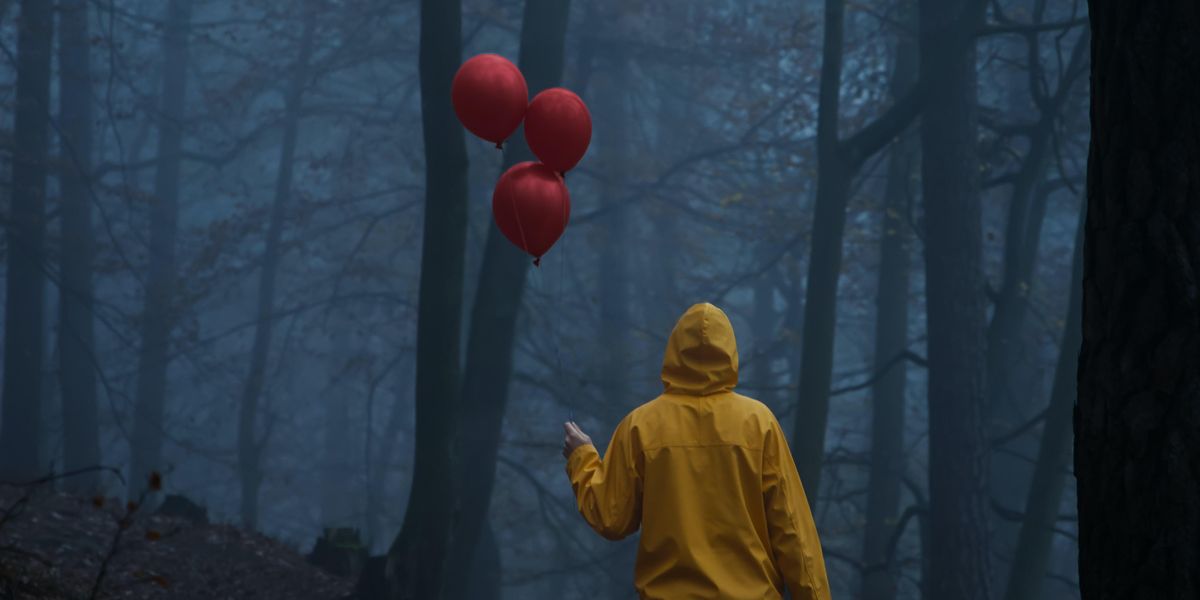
(499, 145)
(537, 262)
(563, 174)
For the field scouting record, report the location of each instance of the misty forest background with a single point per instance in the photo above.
(249, 247)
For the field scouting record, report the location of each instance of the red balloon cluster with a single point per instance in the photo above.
(531, 204)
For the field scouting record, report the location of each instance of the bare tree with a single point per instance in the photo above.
(158, 312)
(418, 559)
(492, 334)
(838, 159)
(891, 340)
(21, 427)
(954, 291)
(250, 442)
(76, 337)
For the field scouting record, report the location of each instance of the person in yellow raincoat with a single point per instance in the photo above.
(707, 475)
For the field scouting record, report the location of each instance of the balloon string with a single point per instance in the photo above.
(521, 228)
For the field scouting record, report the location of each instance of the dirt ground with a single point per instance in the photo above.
(53, 546)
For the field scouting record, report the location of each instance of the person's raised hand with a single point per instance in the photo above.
(575, 437)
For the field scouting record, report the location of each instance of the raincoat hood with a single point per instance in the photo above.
(701, 356)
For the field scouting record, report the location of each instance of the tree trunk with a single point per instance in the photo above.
(497, 304)
(1045, 492)
(954, 302)
(764, 329)
(891, 339)
(613, 271)
(250, 447)
(77, 376)
(379, 463)
(1014, 387)
(158, 312)
(1136, 415)
(335, 464)
(837, 162)
(418, 559)
(21, 429)
(824, 266)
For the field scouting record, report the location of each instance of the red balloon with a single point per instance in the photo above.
(490, 97)
(531, 206)
(558, 128)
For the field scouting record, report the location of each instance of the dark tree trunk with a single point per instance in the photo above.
(77, 377)
(158, 311)
(837, 162)
(891, 340)
(1032, 555)
(483, 582)
(764, 328)
(379, 463)
(612, 264)
(954, 284)
(21, 429)
(418, 560)
(1138, 408)
(335, 464)
(250, 443)
(1012, 389)
(497, 304)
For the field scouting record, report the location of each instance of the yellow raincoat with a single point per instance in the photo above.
(708, 476)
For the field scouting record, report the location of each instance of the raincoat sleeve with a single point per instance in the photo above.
(794, 541)
(608, 492)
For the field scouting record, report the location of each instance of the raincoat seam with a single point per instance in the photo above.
(807, 560)
(716, 445)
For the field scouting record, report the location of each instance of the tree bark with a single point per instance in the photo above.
(1045, 492)
(76, 338)
(1139, 389)
(250, 445)
(418, 560)
(954, 303)
(21, 426)
(497, 305)
(158, 311)
(891, 339)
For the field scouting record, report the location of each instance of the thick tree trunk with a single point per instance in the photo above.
(1032, 556)
(250, 446)
(76, 353)
(418, 560)
(158, 311)
(837, 162)
(21, 429)
(955, 304)
(1139, 387)
(497, 304)
(891, 339)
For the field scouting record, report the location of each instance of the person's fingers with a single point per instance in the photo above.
(576, 429)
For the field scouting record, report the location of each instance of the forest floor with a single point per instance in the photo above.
(55, 545)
